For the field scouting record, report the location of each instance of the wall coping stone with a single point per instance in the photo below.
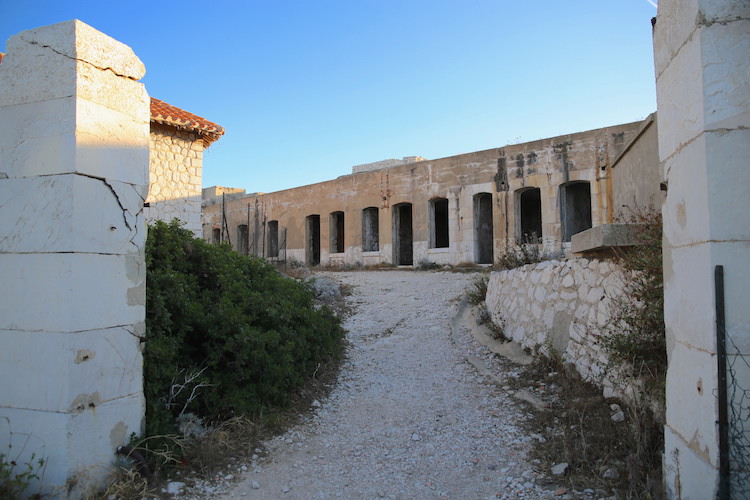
(605, 237)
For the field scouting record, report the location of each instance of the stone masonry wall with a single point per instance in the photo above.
(560, 306)
(175, 170)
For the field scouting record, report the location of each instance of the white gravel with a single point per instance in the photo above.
(409, 417)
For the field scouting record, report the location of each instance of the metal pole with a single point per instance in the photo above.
(721, 354)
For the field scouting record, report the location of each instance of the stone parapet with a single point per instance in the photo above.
(561, 308)
(606, 236)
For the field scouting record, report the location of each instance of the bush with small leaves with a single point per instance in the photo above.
(226, 334)
(635, 337)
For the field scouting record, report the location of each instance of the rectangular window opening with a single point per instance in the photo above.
(336, 222)
(439, 223)
(370, 239)
(242, 238)
(273, 239)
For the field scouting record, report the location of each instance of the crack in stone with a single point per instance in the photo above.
(125, 211)
(141, 338)
(108, 68)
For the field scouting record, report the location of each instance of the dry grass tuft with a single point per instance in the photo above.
(126, 483)
(228, 441)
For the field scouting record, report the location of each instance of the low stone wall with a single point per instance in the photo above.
(560, 306)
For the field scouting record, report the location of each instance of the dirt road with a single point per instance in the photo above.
(409, 417)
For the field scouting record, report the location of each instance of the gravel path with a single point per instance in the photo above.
(409, 417)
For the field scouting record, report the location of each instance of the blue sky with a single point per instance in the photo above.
(307, 89)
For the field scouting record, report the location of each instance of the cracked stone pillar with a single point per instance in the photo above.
(701, 50)
(74, 135)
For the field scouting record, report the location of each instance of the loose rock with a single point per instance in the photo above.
(559, 469)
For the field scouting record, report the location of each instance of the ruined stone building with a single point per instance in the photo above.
(459, 209)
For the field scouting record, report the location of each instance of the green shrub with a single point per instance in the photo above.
(530, 251)
(635, 337)
(427, 265)
(476, 293)
(226, 334)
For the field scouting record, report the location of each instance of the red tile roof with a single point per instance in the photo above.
(166, 114)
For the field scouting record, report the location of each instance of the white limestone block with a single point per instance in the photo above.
(71, 292)
(693, 390)
(680, 100)
(689, 308)
(688, 475)
(21, 75)
(36, 138)
(729, 183)
(583, 291)
(595, 295)
(95, 434)
(688, 216)
(78, 40)
(57, 52)
(67, 135)
(568, 281)
(80, 446)
(547, 274)
(41, 214)
(107, 363)
(722, 11)
(678, 21)
(113, 144)
(725, 76)
(734, 256)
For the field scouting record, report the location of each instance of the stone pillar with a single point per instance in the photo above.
(74, 135)
(702, 50)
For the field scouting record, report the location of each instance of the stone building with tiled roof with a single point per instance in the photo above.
(178, 139)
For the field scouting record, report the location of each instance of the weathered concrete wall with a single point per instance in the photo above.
(74, 141)
(561, 306)
(636, 174)
(176, 164)
(500, 173)
(703, 96)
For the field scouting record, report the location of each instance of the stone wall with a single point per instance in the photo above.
(74, 124)
(561, 306)
(636, 175)
(175, 176)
